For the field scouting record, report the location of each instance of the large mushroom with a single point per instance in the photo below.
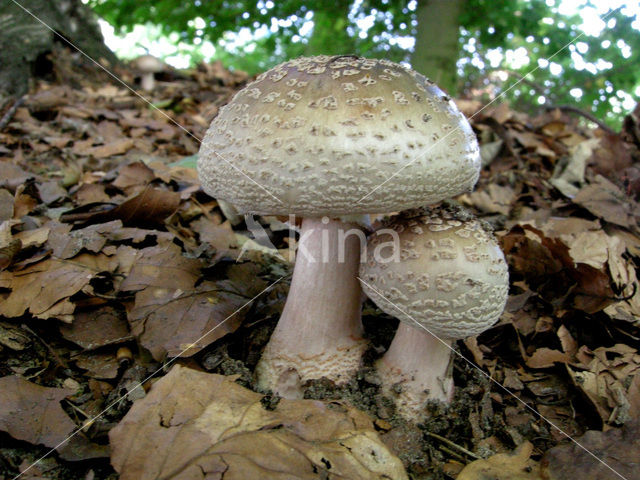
(331, 139)
(445, 279)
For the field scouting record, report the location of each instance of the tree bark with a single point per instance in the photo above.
(24, 39)
(329, 35)
(436, 49)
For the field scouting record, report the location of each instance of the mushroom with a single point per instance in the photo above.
(148, 65)
(331, 139)
(446, 279)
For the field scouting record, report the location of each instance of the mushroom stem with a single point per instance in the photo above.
(420, 365)
(147, 81)
(320, 331)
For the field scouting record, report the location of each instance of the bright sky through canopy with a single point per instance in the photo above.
(150, 39)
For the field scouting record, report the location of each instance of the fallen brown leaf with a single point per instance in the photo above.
(25, 200)
(172, 322)
(495, 199)
(13, 175)
(96, 328)
(546, 357)
(33, 413)
(51, 192)
(44, 288)
(603, 456)
(9, 252)
(150, 207)
(504, 466)
(67, 244)
(98, 365)
(6, 204)
(135, 174)
(606, 201)
(117, 147)
(171, 313)
(547, 267)
(194, 425)
(606, 378)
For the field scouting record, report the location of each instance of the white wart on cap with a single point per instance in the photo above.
(320, 133)
(451, 276)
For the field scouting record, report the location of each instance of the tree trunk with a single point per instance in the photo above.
(24, 39)
(329, 35)
(436, 50)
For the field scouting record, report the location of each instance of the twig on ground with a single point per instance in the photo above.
(582, 113)
(453, 445)
(8, 115)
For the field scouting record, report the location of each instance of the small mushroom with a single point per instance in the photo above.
(332, 139)
(445, 279)
(148, 65)
(124, 356)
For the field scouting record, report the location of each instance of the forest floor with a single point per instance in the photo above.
(113, 261)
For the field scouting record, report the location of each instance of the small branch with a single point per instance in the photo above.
(6, 118)
(453, 445)
(582, 113)
(565, 108)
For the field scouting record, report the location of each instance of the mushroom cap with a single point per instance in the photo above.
(451, 277)
(338, 136)
(149, 64)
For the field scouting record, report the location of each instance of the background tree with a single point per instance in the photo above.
(470, 47)
(25, 41)
(437, 41)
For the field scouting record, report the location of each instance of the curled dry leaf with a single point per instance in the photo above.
(149, 208)
(33, 413)
(494, 199)
(608, 202)
(33, 238)
(504, 466)
(9, 252)
(45, 287)
(568, 175)
(546, 357)
(67, 244)
(548, 269)
(606, 376)
(194, 425)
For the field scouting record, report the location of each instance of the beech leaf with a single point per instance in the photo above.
(194, 425)
(33, 413)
